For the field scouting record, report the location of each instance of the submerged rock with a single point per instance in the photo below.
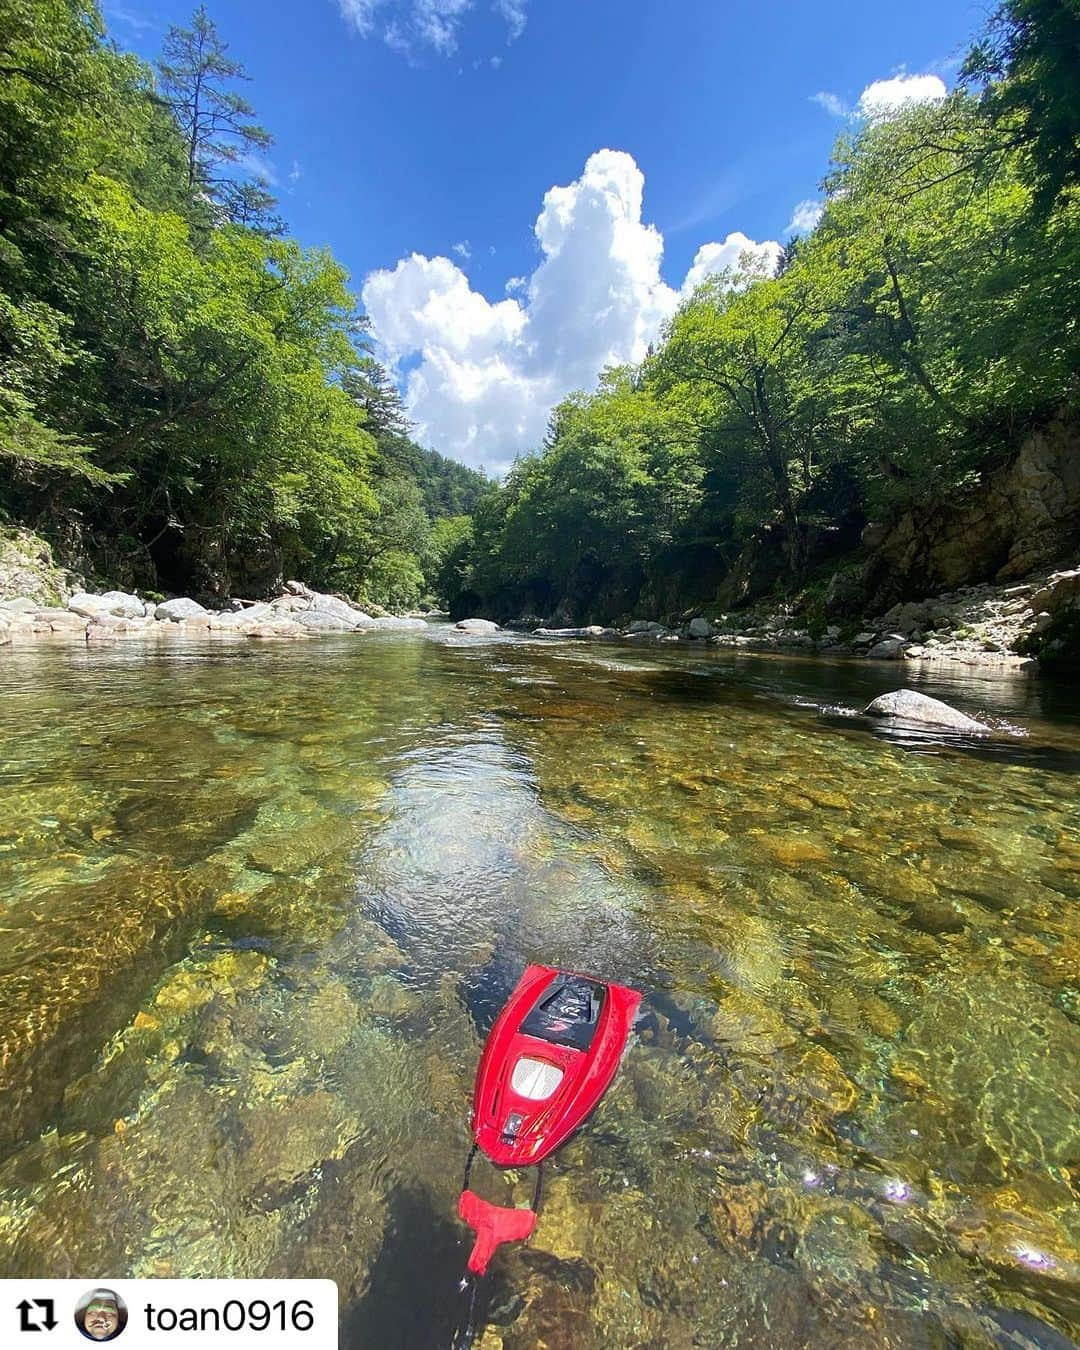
(910, 706)
(61, 1003)
(400, 624)
(1000, 1066)
(591, 633)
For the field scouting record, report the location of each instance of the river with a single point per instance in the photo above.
(259, 905)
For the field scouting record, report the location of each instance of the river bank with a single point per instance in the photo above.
(1020, 625)
(1017, 627)
(121, 615)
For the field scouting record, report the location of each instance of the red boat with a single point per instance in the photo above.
(549, 1059)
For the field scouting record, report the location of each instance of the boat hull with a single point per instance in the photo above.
(544, 1071)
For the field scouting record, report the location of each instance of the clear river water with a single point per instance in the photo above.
(259, 905)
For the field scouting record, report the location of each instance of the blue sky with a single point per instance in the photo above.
(405, 128)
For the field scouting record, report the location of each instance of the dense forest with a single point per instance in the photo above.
(188, 398)
(900, 352)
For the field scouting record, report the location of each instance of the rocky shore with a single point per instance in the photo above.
(1014, 628)
(121, 615)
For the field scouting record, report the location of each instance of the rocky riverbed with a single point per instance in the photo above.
(121, 615)
(1015, 627)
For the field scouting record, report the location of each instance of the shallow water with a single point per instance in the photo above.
(260, 904)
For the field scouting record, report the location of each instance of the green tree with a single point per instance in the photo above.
(196, 78)
(1028, 65)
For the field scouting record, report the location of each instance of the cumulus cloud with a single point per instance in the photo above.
(462, 249)
(409, 26)
(483, 376)
(736, 254)
(884, 97)
(804, 216)
(832, 103)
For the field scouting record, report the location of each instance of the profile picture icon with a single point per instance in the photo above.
(101, 1315)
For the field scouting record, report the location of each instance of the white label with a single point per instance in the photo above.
(149, 1314)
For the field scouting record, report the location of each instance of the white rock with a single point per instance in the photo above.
(477, 626)
(82, 602)
(911, 706)
(20, 604)
(319, 621)
(182, 608)
(123, 604)
(241, 618)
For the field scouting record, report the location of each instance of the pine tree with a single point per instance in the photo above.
(196, 75)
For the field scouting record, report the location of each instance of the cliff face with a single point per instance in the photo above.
(1024, 517)
(27, 567)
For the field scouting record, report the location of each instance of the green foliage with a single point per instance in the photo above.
(901, 350)
(186, 398)
(1028, 64)
(196, 79)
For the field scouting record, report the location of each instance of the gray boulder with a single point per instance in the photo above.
(890, 648)
(183, 608)
(87, 605)
(910, 706)
(476, 626)
(239, 619)
(302, 599)
(320, 621)
(1062, 591)
(122, 604)
(700, 628)
(340, 609)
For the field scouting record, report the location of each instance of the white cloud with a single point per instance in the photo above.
(496, 62)
(409, 26)
(360, 13)
(262, 170)
(804, 216)
(736, 254)
(138, 23)
(513, 11)
(462, 249)
(484, 376)
(296, 172)
(832, 103)
(885, 97)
